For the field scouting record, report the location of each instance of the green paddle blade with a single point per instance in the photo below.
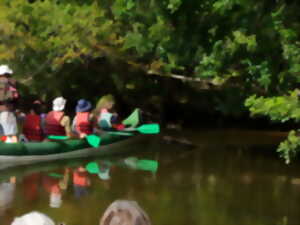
(93, 140)
(55, 137)
(148, 165)
(132, 120)
(92, 167)
(131, 162)
(149, 128)
(55, 175)
(143, 164)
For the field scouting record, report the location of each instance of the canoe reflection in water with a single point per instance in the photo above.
(56, 183)
(55, 187)
(102, 168)
(7, 193)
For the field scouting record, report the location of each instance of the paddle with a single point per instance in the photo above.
(120, 133)
(134, 163)
(152, 128)
(55, 175)
(148, 165)
(142, 164)
(92, 139)
(92, 167)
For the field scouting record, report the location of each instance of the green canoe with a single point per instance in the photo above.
(32, 152)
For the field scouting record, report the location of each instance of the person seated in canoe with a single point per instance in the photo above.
(56, 122)
(8, 126)
(8, 98)
(83, 121)
(106, 119)
(32, 126)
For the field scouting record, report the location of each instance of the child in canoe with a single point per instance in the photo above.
(106, 119)
(32, 126)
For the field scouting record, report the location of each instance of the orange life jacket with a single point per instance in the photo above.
(32, 128)
(52, 123)
(82, 123)
(80, 178)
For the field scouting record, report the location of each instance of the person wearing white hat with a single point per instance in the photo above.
(8, 95)
(8, 91)
(56, 122)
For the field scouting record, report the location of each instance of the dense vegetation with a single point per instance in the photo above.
(249, 51)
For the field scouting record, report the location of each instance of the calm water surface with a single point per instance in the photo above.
(232, 177)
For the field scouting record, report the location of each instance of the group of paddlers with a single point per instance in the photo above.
(36, 125)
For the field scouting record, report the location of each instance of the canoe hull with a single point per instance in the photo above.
(119, 147)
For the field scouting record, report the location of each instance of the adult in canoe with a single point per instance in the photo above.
(8, 96)
(83, 121)
(56, 122)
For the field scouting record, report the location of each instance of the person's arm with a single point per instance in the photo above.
(65, 122)
(73, 127)
(43, 122)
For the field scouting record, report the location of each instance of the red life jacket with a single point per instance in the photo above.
(82, 123)
(32, 128)
(118, 126)
(52, 123)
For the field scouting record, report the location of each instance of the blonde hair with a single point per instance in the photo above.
(103, 101)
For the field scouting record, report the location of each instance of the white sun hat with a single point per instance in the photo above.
(4, 69)
(59, 104)
(33, 218)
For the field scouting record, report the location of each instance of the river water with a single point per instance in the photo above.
(230, 177)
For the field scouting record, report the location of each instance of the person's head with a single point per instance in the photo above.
(107, 102)
(5, 70)
(59, 104)
(35, 107)
(33, 218)
(83, 106)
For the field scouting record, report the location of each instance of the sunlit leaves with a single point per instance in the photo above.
(259, 73)
(136, 41)
(222, 6)
(281, 108)
(249, 41)
(174, 5)
(289, 148)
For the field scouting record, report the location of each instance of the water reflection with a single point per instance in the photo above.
(81, 182)
(56, 184)
(216, 185)
(30, 185)
(7, 194)
(104, 170)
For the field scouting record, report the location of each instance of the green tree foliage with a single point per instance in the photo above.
(252, 47)
(289, 148)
